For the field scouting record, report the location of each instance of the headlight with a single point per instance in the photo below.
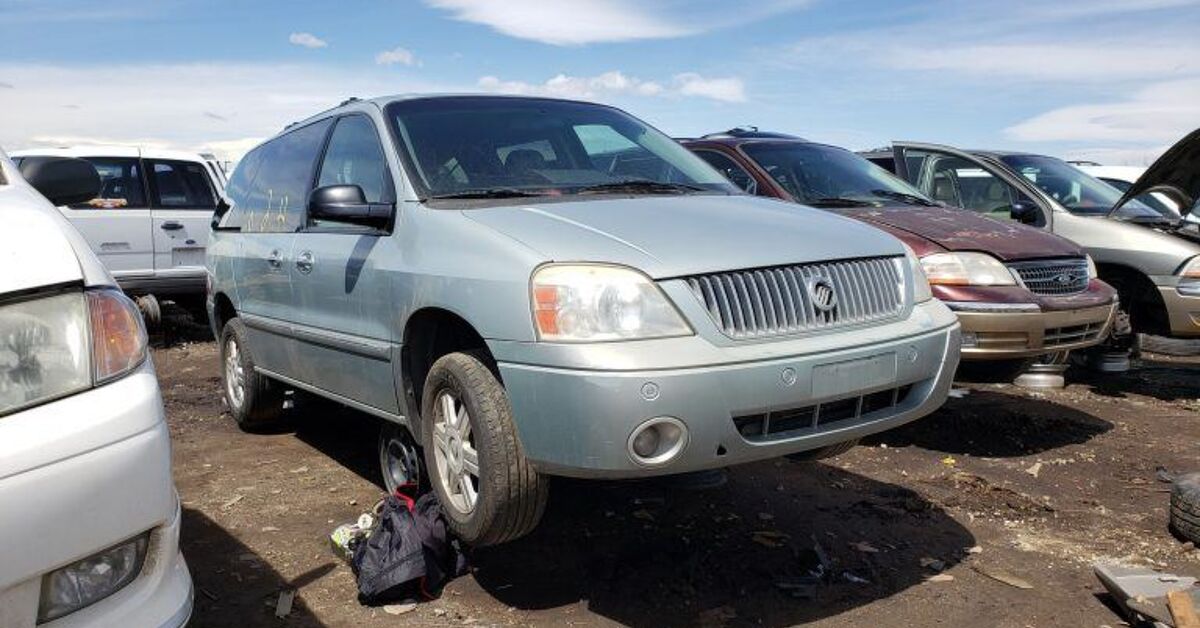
(90, 580)
(1091, 267)
(56, 345)
(921, 291)
(593, 302)
(966, 269)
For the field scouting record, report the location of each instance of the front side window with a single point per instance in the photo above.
(727, 167)
(121, 185)
(1077, 191)
(276, 199)
(827, 176)
(180, 184)
(960, 182)
(473, 147)
(355, 157)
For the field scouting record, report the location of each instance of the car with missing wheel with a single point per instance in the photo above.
(1019, 292)
(89, 516)
(1151, 258)
(149, 222)
(526, 287)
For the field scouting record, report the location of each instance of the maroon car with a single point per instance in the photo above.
(1018, 291)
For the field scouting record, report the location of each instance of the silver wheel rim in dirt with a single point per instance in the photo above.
(454, 453)
(235, 374)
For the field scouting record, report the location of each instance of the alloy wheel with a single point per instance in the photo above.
(454, 453)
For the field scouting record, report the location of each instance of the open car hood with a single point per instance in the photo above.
(1176, 174)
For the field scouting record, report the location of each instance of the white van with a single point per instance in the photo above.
(149, 225)
(89, 516)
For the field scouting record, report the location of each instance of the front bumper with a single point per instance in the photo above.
(577, 420)
(82, 474)
(994, 331)
(1183, 311)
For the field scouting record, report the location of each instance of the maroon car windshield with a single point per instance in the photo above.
(827, 176)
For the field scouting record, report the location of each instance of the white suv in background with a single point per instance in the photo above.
(89, 516)
(149, 224)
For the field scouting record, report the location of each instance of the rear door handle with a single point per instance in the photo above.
(275, 260)
(171, 225)
(304, 262)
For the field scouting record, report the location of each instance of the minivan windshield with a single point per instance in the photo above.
(1077, 191)
(827, 176)
(496, 147)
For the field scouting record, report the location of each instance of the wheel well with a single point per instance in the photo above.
(430, 334)
(222, 311)
(1139, 296)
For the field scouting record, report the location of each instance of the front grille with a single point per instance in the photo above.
(1054, 276)
(779, 424)
(1061, 336)
(804, 297)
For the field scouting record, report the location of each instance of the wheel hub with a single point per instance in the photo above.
(235, 374)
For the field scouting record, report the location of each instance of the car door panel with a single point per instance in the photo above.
(183, 198)
(117, 224)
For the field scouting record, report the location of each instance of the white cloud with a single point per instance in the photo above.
(575, 22)
(615, 83)
(1065, 61)
(166, 105)
(402, 56)
(307, 40)
(1159, 113)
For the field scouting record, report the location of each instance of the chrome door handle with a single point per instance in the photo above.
(275, 260)
(304, 263)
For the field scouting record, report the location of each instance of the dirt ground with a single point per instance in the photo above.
(1001, 484)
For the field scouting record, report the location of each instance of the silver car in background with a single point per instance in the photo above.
(526, 287)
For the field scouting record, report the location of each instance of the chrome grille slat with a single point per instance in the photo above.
(1053, 276)
(764, 302)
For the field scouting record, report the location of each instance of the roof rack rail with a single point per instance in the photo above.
(348, 101)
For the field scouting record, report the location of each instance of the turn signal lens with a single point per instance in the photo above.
(118, 335)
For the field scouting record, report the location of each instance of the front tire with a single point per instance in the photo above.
(489, 491)
(824, 452)
(255, 401)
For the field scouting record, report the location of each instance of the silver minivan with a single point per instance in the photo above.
(524, 287)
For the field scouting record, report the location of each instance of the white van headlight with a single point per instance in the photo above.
(55, 345)
(966, 269)
(595, 303)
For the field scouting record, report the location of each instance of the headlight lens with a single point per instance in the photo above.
(593, 303)
(966, 269)
(921, 291)
(1091, 267)
(57, 345)
(92, 579)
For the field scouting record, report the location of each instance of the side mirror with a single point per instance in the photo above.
(1024, 212)
(62, 180)
(348, 204)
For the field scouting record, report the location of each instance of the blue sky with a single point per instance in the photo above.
(1112, 80)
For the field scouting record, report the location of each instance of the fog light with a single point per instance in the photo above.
(657, 441)
(969, 339)
(92, 579)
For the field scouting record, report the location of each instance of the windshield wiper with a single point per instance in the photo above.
(488, 193)
(639, 185)
(839, 201)
(902, 196)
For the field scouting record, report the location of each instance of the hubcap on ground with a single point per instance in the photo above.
(454, 452)
(235, 374)
(401, 461)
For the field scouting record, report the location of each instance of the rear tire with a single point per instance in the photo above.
(1185, 507)
(1181, 347)
(255, 401)
(489, 491)
(824, 452)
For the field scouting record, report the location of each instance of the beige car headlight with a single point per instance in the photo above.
(597, 302)
(966, 269)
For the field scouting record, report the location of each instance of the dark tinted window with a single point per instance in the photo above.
(121, 184)
(480, 144)
(180, 184)
(355, 157)
(730, 170)
(277, 196)
(823, 175)
(238, 189)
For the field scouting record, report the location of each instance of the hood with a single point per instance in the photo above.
(675, 236)
(1176, 174)
(34, 251)
(962, 230)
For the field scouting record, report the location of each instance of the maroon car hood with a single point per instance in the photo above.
(961, 230)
